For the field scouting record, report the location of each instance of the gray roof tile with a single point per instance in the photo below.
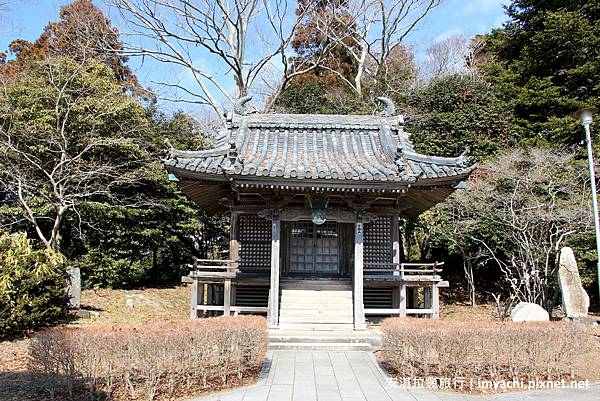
(318, 147)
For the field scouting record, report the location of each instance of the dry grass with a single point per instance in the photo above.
(147, 362)
(149, 306)
(466, 313)
(489, 350)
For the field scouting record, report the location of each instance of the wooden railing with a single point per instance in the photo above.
(213, 268)
(219, 270)
(403, 270)
(413, 275)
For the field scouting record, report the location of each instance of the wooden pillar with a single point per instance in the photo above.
(194, 300)
(227, 298)
(435, 301)
(234, 237)
(359, 308)
(274, 290)
(396, 259)
(396, 238)
(234, 254)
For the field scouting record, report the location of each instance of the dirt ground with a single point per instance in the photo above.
(131, 307)
(107, 307)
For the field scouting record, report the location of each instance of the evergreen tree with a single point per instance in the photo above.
(138, 229)
(454, 112)
(82, 33)
(547, 61)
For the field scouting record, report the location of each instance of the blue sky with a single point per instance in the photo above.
(27, 19)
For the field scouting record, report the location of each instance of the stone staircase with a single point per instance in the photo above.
(319, 315)
(316, 305)
(335, 340)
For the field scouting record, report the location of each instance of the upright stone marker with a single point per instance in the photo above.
(74, 287)
(575, 300)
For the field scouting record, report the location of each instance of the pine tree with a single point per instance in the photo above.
(547, 60)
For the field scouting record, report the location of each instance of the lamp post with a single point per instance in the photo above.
(587, 116)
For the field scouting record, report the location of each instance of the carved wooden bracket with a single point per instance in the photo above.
(302, 213)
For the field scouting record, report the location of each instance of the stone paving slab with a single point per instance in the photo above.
(356, 376)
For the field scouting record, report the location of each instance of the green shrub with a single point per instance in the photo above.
(32, 286)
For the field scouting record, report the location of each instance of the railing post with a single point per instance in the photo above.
(402, 299)
(435, 301)
(194, 300)
(227, 298)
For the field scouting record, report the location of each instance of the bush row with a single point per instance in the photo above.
(148, 362)
(484, 350)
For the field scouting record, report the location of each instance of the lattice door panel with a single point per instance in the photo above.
(314, 249)
(301, 248)
(255, 243)
(327, 256)
(378, 243)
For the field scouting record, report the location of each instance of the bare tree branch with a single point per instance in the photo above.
(215, 41)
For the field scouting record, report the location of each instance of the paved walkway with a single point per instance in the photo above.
(355, 376)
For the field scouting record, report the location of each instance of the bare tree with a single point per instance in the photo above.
(457, 54)
(519, 212)
(236, 40)
(60, 153)
(376, 28)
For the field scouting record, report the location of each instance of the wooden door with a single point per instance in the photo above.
(314, 249)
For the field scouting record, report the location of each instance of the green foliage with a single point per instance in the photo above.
(455, 112)
(315, 97)
(32, 286)
(547, 59)
(134, 227)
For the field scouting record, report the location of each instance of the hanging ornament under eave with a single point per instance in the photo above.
(318, 216)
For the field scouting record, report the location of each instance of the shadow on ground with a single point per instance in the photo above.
(28, 386)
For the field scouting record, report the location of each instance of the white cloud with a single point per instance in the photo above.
(481, 7)
(447, 34)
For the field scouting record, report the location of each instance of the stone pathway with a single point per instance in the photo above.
(355, 376)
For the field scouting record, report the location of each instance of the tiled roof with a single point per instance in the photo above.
(343, 148)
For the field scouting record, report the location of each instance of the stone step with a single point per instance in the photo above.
(316, 319)
(329, 305)
(317, 293)
(315, 312)
(315, 300)
(315, 284)
(315, 327)
(316, 338)
(333, 306)
(327, 346)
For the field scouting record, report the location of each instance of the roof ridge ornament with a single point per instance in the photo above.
(463, 159)
(242, 107)
(389, 109)
(169, 148)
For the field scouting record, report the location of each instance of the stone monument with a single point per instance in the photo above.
(575, 301)
(74, 287)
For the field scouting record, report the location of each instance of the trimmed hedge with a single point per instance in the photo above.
(419, 348)
(159, 361)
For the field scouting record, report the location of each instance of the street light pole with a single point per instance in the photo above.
(587, 116)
